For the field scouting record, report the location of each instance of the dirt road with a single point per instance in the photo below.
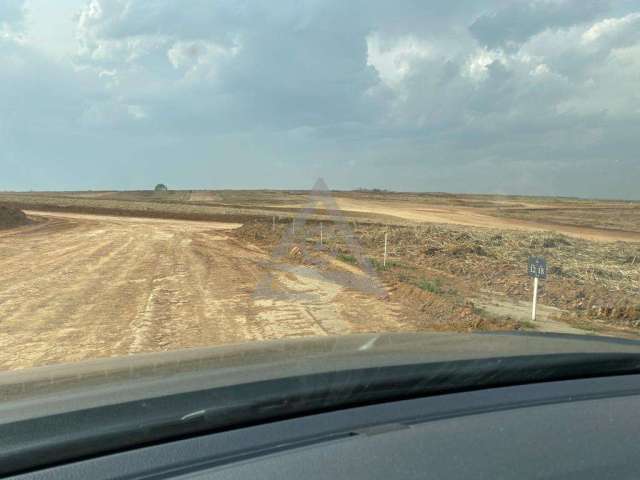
(77, 286)
(417, 212)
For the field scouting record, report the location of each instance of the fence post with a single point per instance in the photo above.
(384, 259)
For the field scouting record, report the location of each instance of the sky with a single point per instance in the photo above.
(536, 97)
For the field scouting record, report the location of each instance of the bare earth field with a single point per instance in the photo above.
(77, 286)
(98, 274)
(572, 221)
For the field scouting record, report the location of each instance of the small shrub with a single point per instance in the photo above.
(432, 286)
(557, 270)
(347, 258)
(553, 242)
(379, 266)
(497, 240)
(470, 249)
(432, 249)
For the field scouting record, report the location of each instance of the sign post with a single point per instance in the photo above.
(320, 233)
(535, 298)
(384, 260)
(537, 268)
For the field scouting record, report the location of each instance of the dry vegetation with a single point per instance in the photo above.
(439, 271)
(620, 216)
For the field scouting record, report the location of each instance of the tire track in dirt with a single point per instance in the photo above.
(60, 311)
(86, 286)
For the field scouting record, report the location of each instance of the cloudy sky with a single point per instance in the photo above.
(536, 97)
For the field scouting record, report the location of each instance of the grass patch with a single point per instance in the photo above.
(528, 325)
(378, 265)
(432, 286)
(347, 258)
(480, 311)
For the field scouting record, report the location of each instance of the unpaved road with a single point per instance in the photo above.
(545, 315)
(418, 212)
(77, 286)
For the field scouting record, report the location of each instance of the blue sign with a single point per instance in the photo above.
(537, 267)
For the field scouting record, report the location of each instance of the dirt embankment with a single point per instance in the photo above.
(224, 217)
(11, 217)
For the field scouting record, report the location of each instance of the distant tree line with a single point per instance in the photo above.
(372, 190)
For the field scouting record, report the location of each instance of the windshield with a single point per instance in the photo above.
(204, 174)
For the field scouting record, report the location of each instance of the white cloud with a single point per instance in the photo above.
(394, 58)
(612, 27)
(477, 65)
(540, 70)
(199, 59)
(12, 15)
(514, 23)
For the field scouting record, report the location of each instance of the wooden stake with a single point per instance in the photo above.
(384, 260)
